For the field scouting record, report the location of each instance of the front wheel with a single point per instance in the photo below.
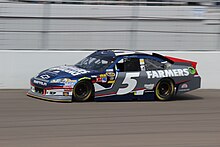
(83, 91)
(164, 90)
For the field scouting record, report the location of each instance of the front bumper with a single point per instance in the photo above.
(49, 98)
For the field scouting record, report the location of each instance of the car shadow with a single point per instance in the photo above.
(183, 97)
(186, 97)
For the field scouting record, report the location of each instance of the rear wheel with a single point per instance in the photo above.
(83, 91)
(164, 90)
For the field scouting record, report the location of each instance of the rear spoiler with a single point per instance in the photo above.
(173, 60)
(177, 60)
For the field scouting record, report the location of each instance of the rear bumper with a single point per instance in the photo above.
(193, 84)
(49, 98)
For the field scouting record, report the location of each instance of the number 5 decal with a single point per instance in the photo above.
(130, 82)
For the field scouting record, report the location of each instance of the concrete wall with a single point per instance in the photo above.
(17, 67)
(74, 27)
(44, 27)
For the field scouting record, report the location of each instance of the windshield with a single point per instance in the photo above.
(95, 62)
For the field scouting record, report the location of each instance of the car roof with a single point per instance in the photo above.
(122, 52)
(125, 52)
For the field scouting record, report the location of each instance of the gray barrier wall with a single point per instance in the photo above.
(62, 27)
(17, 67)
(29, 33)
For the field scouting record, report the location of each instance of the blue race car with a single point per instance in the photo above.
(117, 75)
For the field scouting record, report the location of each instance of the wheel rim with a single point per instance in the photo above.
(164, 90)
(82, 90)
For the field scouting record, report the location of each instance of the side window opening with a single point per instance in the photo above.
(120, 67)
(151, 64)
(129, 64)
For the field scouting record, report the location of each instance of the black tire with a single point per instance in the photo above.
(164, 90)
(83, 91)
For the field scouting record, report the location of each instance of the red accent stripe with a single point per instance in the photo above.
(193, 63)
(44, 92)
(139, 89)
(106, 94)
(183, 81)
(57, 87)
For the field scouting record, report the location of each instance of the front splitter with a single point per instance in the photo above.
(49, 98)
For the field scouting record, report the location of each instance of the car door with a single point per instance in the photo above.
(128, 72)
(129, 77)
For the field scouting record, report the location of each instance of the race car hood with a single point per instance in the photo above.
(62, 72)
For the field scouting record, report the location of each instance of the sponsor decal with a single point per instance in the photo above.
(139, 92)
(110, 74)
(184, 86)
(68, 86)
(101, 79)
(98, 79)
(104, 80)
(70, 83)
(40, 83)
(111, 78)
(63, 81)
(142, 61)
(71, 70)
(167, 73)
(149, 86)
(102, 75)
(111, 82)
(192, 70)
(109, 70)
(183, 90)
(45, 77)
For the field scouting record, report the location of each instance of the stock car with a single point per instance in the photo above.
(117, 75)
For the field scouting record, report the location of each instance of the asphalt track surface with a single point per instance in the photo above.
(191, 120)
